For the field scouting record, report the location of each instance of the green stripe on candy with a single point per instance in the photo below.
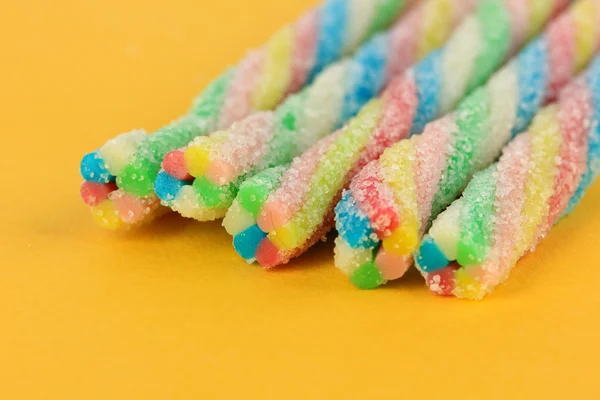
(476, 221)
(255, 191)
(137, 178)
(208, 105)
(214, 196)
(495, 22)
(282, 146)
(367, 277)
(539, 12)
(385, 13)
(472, 120)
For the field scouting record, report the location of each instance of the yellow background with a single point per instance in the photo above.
(171, 311)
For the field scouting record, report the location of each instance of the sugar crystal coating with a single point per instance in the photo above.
(294, 220)
(335, 96)
(289, 60)
(508, 208)
(427, 172)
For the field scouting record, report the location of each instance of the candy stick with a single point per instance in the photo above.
(216, 165)
(300, 211)
(391, 202)
(291, 59)
(508, 208)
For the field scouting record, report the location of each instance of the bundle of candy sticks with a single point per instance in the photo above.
(337, 121)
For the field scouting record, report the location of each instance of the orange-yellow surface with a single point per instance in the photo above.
(171, 312)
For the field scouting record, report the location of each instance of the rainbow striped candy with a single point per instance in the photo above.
(216, 165)
(392, 201)
(300, 211)
(292, 58)
(508, 208)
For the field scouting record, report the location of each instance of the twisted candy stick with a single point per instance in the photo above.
(292, 58)
(392, 201)
(508, 208)
(216, 165)
(300, 210)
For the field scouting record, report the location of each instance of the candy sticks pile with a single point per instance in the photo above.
(456, 138)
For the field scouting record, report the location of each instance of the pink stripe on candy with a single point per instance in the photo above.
(403, 43)
(238, 102)
(174, 165)
(375, 199)
(392, 266)
(442, 282)
(561, 55)
(432, 152)
(400, 105)
(519, 20)
(132, 209)
(510, 196)
(303, 58)
(267, 254)
(93, 193)
(574, 115)
(220, 172)
(559, 6)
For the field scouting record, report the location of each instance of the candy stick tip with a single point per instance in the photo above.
(174, 165)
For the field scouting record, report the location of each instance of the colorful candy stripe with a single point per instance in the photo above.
(222, 161)
(291, 59)
(508, 208)
(397, 196)
(300, 211)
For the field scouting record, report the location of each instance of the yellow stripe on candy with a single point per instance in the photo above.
(539, 10)
(545, 146)
(276, 72)
(196, 160)
(467, 285)
(106, 215)
(198, 155)
(284, 237)
(437, 26)
(586, 31)
(397, 166)
(329, 177)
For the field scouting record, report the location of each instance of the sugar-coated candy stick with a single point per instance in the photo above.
(508, 208)
(391, 202)
(216, 165)
(300, 211)
(292, 58)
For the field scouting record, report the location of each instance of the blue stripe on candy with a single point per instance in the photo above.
(93, 169)
(429, 257)
(246, 242)
(593, 162)
(532, 74)
(167, 187)
(352, 224)
(428, 79)
(332, 32)
(366, 77)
